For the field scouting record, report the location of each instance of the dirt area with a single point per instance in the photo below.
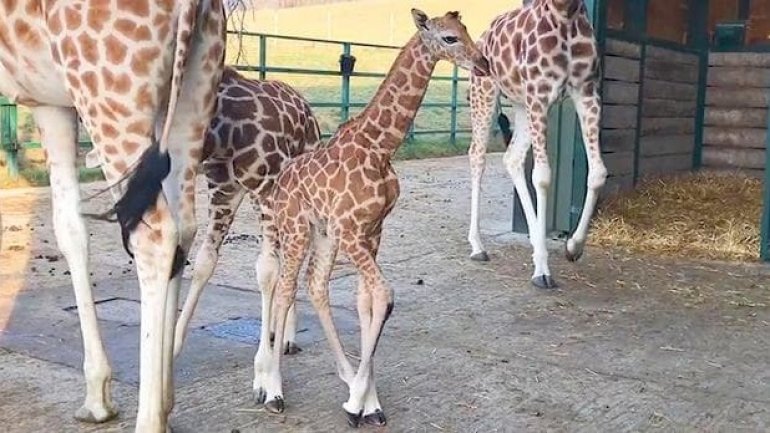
(627, 344)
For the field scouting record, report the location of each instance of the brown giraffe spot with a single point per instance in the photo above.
(110, 150)
(88, 48)
(144, 98)
(400, 79)
(561, 61)
(90, 81)
(116, 50)
(138, 7)
(109, 131)
(579, 69)
(544, 88)
(72, 18)
(529, 24)
(385, 119)
(548, 43)
(68, 48)
(143, 59)
(27, 35)
(544, 26)
(140, 127)
(118, 107)
(130, 147)
(73, 80)
(9, 5)
(589, 89)
(98, 14)
(582, 49)
(584, 27)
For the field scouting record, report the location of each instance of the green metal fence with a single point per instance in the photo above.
(11, 146)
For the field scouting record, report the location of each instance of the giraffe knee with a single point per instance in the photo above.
(597, 177)
(541, 175)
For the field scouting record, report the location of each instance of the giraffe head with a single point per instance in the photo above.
(447, 38)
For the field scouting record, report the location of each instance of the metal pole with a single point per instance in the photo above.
(262, 57)
(345, 93)
(8, 140)
(453, 127)
(764, 246)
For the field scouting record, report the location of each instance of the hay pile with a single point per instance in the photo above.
(707, 215)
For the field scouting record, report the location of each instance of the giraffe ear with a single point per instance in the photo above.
(420, 19)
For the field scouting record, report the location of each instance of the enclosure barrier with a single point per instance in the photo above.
(8, 117)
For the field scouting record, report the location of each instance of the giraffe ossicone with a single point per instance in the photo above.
(336, 198)
(537, 54)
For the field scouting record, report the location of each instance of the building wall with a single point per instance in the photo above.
(648, 125)
(737, 99)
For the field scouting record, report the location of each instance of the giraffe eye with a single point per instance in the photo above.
(450, 39)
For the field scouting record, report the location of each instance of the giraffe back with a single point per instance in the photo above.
(258, 128)
(539, 49)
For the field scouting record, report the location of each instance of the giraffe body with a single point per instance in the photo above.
(537, 54)
(142, 76)
(336, 198)
(257, 128)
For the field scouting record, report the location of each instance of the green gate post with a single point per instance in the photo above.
(453, 117)
(698, 37)
(8, 140)
(345, 93)
(262, 57)
(764, 246)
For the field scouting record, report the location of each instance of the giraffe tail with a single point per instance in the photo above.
(145, 179)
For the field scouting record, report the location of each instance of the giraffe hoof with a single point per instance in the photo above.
(354, 419)
(98, 416)
(275, 405)
(291, 348)
(480, 257)
(260, 395)
(544, 282)
(571, 255)
(376, 419)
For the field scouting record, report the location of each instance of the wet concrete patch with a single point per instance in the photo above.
(115, 309)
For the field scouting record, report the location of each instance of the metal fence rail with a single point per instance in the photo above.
(11, 146)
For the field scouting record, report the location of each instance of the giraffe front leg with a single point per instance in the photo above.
(58, 130)
(588, 107)
(483, 94)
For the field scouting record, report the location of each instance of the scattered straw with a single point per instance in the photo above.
(707, 215)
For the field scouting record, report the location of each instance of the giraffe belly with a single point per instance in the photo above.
(28, 88)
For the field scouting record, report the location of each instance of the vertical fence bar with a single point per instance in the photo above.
(639, 113)
(764, 245)
(698, 37)
(453, 116)
(8, 141)
(262, 57)
(345, 93)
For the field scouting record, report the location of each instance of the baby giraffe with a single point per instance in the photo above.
(337, 197)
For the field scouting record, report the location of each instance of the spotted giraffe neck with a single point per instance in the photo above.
(394, 106)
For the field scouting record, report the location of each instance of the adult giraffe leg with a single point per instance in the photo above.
(224, 201)
(588, 107)
(483, 99)
(514, 160)
(58, 127)
(541, 179)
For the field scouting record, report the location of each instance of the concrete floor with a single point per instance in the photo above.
(628, 343)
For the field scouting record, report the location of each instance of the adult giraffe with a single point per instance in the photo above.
(132, 70)
(537, 54)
